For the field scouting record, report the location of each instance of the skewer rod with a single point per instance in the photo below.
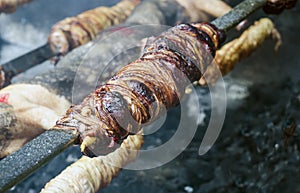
(32, 156)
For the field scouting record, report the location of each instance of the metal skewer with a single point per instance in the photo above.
(37, 152)
(26, 61)
(238, 14)
(32, 156)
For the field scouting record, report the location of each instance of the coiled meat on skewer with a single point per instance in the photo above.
(139, 91)
(75, 31)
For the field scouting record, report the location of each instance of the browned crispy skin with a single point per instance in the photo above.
(277, 6)
(139, 91)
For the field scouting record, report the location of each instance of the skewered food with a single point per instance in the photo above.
(9, 6)
(95, 173)
(140, 90)
(75, 31)
(58, 82)
(236, 50)
(26, 110)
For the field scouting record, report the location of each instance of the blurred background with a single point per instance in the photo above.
(250, 155)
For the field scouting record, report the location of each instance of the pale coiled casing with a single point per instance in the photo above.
(75, 31)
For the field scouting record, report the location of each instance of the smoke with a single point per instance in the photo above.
(19, 38)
